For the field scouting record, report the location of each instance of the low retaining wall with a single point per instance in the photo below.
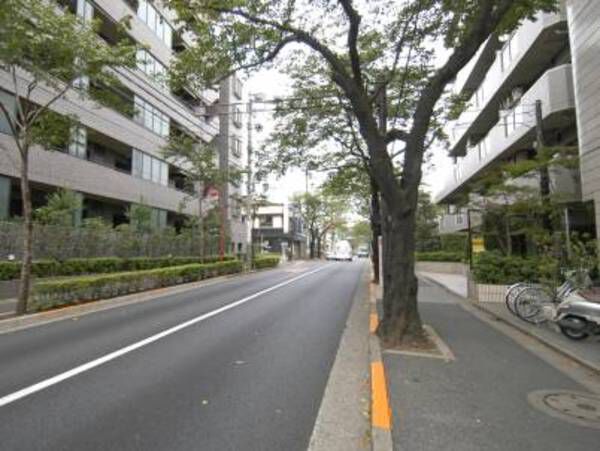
(490, 293)
(8, 289)
(443, 267)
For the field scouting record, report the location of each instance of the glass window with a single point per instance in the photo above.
(142, 11)
(136, 163)
(148, 118)
(151, 18)
(85, 10)
(168, 37)
(78, 142)
(164, 173)
(155, 170)
(147, 167)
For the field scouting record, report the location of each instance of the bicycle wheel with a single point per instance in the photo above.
(530, 303)
(511, 295)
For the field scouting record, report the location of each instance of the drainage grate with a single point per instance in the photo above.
(579, 408)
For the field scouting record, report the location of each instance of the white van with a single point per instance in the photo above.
(342, 251)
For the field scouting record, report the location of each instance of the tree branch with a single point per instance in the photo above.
(396, 135)
(353, 30)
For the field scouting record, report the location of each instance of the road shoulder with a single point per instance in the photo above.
(343, 419)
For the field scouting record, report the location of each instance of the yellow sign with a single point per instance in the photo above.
(477, 245)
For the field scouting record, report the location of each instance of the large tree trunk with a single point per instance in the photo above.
(401, 320)
(319, 246)
(26, 259)
(312, 244)
(375, 219)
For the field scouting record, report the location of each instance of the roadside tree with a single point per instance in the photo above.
(367, 50)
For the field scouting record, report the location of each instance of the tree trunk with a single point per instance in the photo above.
(401, 320)
(375, 219)
(25, 282)
(312, 244)
(319, 246)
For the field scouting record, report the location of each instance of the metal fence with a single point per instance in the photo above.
(58, 242)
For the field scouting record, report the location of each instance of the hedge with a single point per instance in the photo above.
(498, 269)
(58, 293)
(265, 262)
(439, 256)
(78, 266)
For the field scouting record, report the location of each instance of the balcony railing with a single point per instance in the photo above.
(515, 128)
(508, 58)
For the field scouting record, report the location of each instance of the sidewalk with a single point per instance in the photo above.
(479, 400)
(586, 352)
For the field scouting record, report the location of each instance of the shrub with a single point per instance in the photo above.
(57, 293)
(265, 262)
(494, 268)
(439, 256)
(77, 266)
(454, 242)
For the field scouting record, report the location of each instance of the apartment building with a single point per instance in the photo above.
(504, 81)
(278, 227)
(584, 34)
(231, 110)
(114, 158)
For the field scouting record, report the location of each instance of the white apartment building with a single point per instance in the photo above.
(279, 227)
(545, 60)
(114, 158)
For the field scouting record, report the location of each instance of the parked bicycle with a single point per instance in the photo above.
(536, 304)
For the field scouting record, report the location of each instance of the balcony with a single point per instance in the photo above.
(518, 63)
(516, 128)
(59, 169)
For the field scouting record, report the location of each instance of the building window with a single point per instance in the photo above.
(150, 168)
(148, 13)
(237, 87)
(151, 67)
(85, 10)
(237, 116)
(151, 117)
(78, 142)
(266, 221)
(151, 17)
(237, 147)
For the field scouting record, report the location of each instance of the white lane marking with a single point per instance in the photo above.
(132, 347)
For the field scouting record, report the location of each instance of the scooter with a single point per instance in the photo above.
(578, 316)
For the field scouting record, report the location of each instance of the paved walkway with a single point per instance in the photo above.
(479, 400)
(586, 352)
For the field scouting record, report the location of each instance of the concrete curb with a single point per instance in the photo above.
(521, 328)
(381, 437)
(17, 323)
(343, 419)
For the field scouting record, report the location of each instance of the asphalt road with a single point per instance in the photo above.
(188, 371)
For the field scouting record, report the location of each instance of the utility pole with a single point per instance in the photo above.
(385, 232)
(250, 189)
(543, 170)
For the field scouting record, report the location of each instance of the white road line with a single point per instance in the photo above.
(5, 400)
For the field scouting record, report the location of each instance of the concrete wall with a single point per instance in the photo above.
(442, 267)
(584, 27)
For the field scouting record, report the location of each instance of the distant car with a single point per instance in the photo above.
(362, 253)
(342, 251)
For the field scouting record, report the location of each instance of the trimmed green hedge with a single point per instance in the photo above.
(498, 269)
(265, 262)
(58, 293)
(439, 256)
(77, 266)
